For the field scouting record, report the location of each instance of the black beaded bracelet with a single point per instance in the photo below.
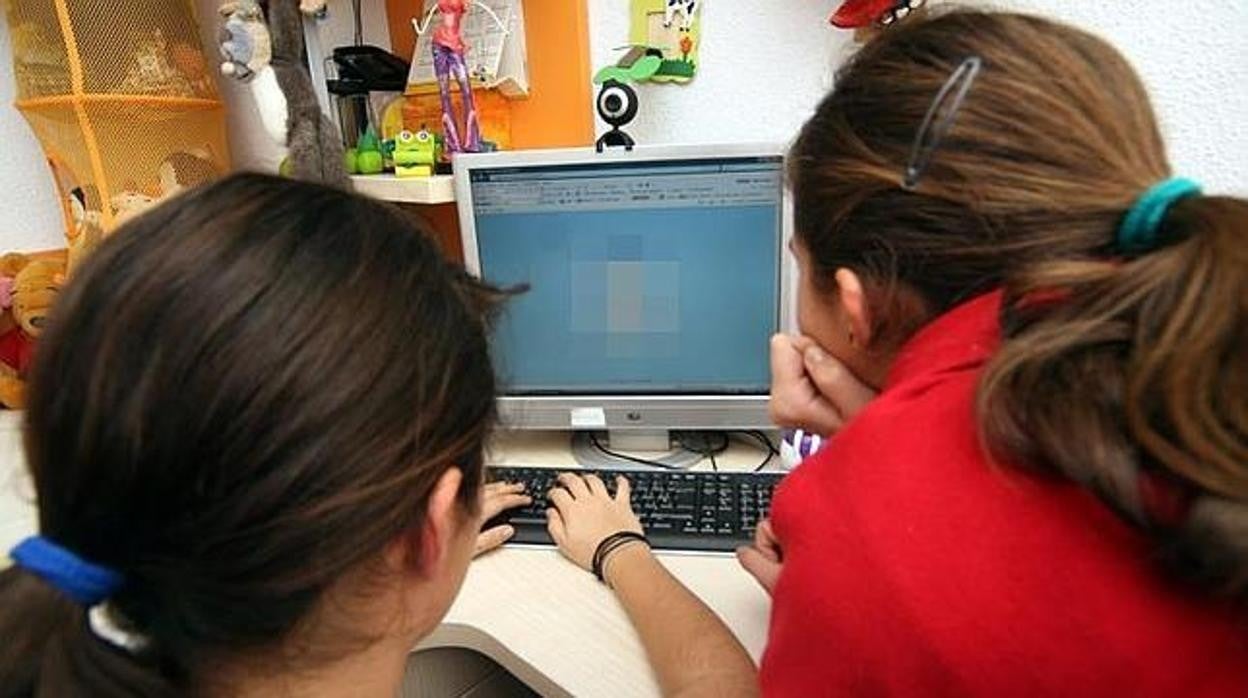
(609, 545)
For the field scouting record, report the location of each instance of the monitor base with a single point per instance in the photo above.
(652, 440)
(589, 448)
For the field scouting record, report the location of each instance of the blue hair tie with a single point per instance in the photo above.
(1138, 231)
(82, 581)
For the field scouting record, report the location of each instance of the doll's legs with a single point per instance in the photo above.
(443, 58)
(472, 122)
(458, 70)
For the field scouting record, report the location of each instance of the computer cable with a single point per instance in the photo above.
(593, 440)
(706, 450)
(766, 443)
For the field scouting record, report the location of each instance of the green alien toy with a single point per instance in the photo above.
(414, 154)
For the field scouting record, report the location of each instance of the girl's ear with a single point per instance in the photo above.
(424, 551)
(853, 303)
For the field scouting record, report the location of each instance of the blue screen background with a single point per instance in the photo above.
(679, 300)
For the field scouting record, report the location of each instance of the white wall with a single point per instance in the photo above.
(764, 66)
(30, 216)
(759, 77)
(763, 70)
(1193, 56)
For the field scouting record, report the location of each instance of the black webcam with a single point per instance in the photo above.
(617, 105)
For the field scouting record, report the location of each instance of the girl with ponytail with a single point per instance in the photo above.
(1049, 494)
(255, 431)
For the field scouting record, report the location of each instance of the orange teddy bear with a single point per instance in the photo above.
(27, 289)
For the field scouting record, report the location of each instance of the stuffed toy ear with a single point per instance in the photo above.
(12, 263)
(6, 292)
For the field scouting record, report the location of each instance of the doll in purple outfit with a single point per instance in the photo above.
(448, 64)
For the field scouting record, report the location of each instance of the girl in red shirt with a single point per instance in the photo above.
(1049, 496)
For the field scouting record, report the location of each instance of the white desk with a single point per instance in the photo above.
(544, 620)
(557, 629)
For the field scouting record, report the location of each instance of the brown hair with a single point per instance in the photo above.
(243, 395)
(1114, 368)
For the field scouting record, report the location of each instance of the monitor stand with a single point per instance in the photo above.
(656, 440)
(654, 446)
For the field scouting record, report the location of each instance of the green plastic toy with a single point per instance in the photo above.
(368, 157)
(414, 154)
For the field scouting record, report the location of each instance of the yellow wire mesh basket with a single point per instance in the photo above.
(121, 98)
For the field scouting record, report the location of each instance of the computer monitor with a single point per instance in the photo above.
(655, 280)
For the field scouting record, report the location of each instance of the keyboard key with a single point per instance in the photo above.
(680, 510)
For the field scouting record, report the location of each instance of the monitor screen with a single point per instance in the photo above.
(644, 277)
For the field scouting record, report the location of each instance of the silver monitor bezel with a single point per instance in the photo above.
(622, 412)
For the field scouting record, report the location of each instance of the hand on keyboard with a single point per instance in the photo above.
(584, 514)
(497, 497)
(679, 510)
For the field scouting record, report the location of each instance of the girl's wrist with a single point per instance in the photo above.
(626, 556)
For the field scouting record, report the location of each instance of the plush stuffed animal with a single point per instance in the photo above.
(86, 233)
(315, 146)
(314, 8)
(12, 389)
(244, 40)
(271, 59)
(10, 264)
(10, 385)
(31, 292)
(129, 204)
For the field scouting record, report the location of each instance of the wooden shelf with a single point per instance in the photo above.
(438, 189)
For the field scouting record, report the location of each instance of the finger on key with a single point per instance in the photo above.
(596, 485)
(560, 498)
(504, 487)
(497, 505)
(575, 484)
(554, 525)
(623, 489)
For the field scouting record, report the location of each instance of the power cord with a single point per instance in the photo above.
(766, 443)
(705, 449)
(593, 440)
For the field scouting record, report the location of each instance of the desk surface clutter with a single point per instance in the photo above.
(547, 622)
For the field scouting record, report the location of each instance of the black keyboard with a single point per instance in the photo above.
(715, 512)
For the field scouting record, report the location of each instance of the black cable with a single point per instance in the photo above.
(359, 23)
(707, 451)
(759, 468)
(762, 439)
(593, 440)
(772, 451)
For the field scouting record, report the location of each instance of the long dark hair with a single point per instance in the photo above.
(241, 396)
(1134, 378)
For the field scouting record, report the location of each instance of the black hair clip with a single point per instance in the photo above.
(932, 132)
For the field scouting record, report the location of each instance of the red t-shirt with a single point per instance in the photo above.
(914, 566)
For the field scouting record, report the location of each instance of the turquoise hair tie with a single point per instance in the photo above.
(1138, 232)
